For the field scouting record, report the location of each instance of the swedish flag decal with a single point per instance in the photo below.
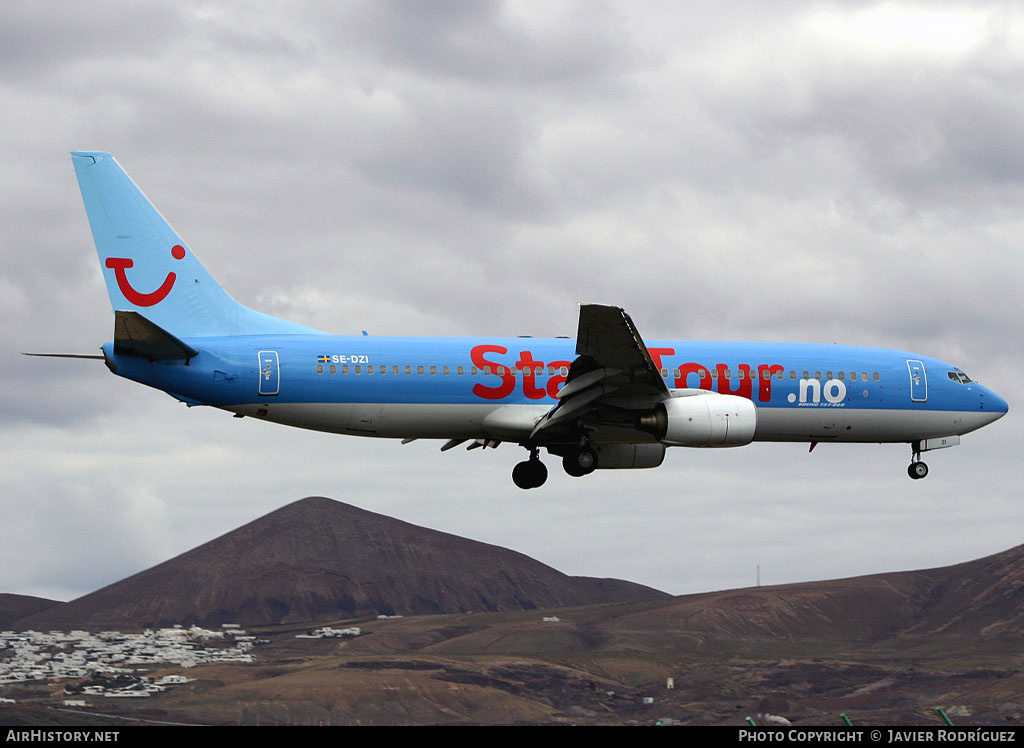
(323, 359)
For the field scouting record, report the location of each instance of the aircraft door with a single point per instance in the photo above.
(270, 373)
(918, 381)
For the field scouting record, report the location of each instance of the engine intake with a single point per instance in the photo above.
(710, 420)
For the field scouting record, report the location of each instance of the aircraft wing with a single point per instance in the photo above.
(613, 370)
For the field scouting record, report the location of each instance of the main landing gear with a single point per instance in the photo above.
(531, 473)
(580, 461)
(917, 469)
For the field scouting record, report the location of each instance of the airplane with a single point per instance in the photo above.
(606, 400)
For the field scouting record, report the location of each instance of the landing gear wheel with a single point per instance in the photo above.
(571, 467)
(529, 474)
(580, 462)
(917, 470)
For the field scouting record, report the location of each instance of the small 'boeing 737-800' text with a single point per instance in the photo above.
(605, 400)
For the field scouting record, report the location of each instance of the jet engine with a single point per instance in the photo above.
(707, 420)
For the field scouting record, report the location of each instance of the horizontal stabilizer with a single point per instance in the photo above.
(97, 356)
(134, 335)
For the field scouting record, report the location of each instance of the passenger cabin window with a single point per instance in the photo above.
(344, 368)
(333, 369)
(419, 369)
(319, 368)
(433, 370)
(359, 369)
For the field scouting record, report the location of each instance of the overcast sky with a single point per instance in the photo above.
(849, 172)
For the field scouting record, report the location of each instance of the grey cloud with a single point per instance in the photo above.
(38, 40)
(492, 43)
(468, 168)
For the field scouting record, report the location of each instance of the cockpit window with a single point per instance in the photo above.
(959, 376)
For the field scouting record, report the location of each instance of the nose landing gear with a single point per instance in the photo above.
(917, 469)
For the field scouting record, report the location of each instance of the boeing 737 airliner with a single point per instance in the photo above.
(605, 400)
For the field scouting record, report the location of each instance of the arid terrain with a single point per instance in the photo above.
(884, 649)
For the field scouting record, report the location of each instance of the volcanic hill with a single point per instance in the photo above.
(13, 607)
(320, 559)
(972, 606)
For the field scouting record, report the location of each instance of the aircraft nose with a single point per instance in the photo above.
(993, 403)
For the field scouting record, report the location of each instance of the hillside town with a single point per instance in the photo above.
(110, 663)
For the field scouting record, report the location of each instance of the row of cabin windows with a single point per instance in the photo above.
(396, 370)
(765, 374)
(564, 371)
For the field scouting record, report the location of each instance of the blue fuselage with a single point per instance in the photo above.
(447, 387)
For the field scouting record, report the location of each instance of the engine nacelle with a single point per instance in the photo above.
(629, 456)
(709, 420)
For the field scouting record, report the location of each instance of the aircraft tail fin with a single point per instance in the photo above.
(149, 269)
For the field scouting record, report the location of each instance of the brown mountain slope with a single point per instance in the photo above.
(13, 607)
(983, 597)
(979, 601)
(319, 559)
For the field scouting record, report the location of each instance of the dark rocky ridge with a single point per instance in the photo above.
(978, 602)
(319, 559)
(13, 607)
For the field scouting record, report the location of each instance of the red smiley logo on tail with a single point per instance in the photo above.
(120, 264)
